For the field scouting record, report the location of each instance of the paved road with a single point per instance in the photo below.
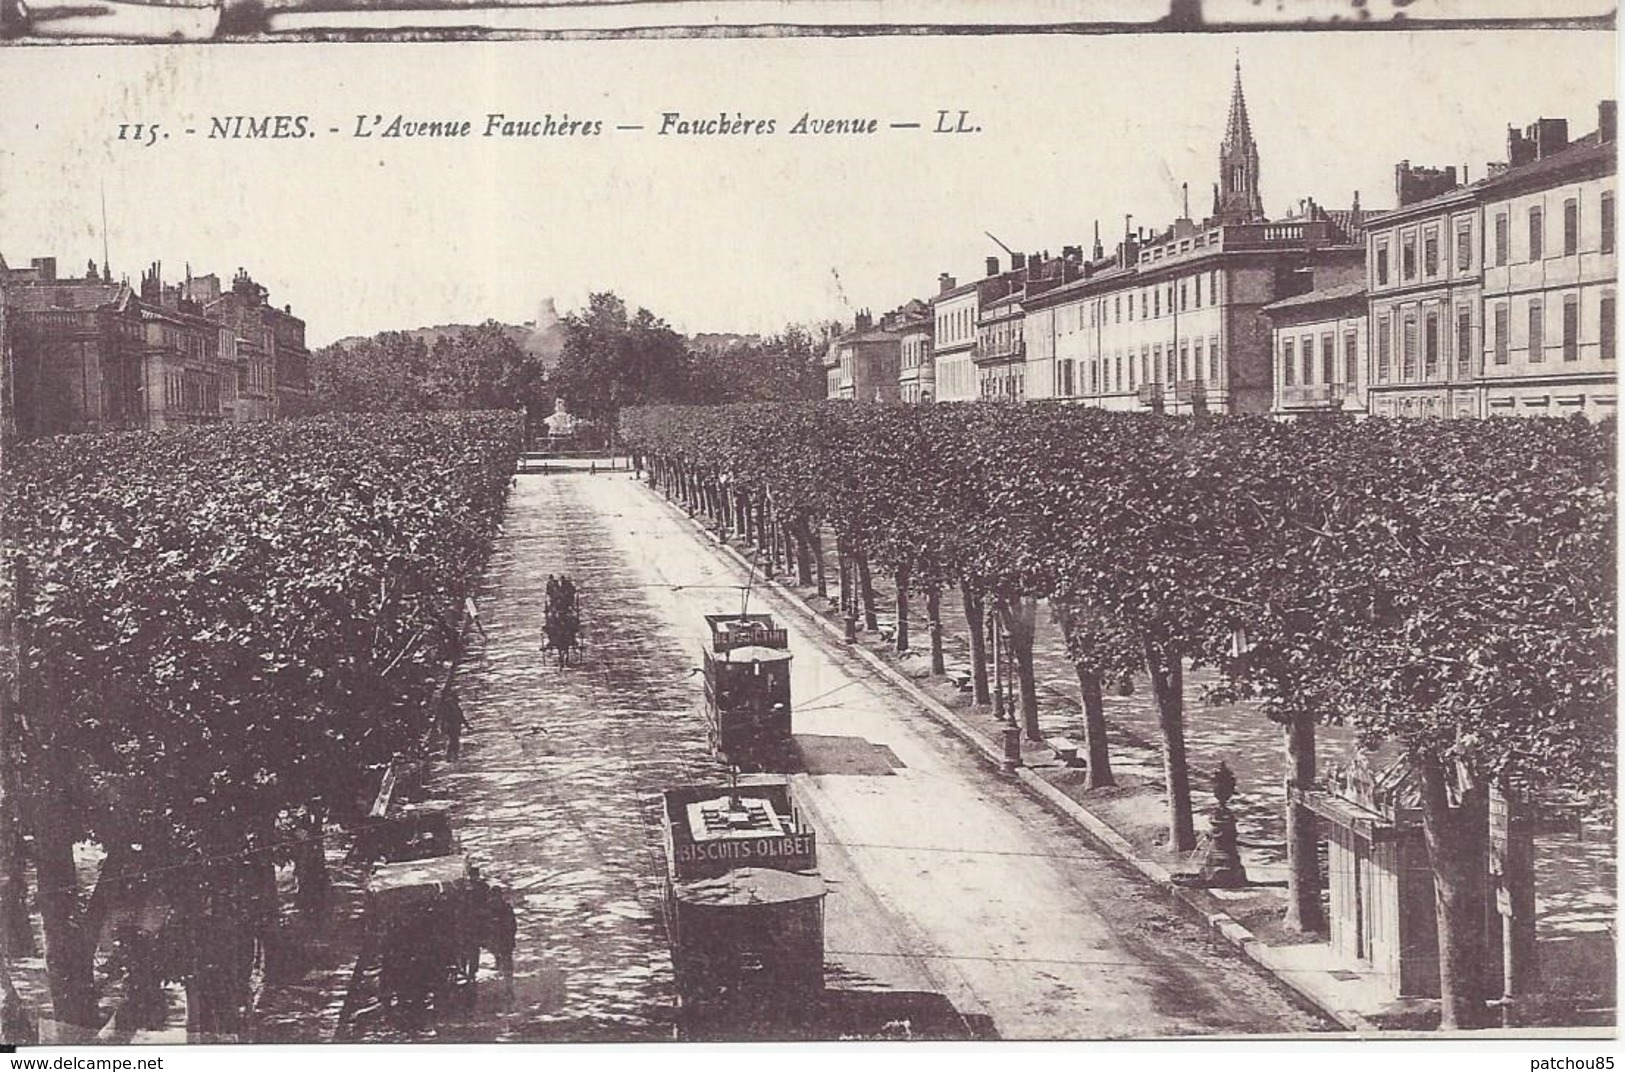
(944, 877)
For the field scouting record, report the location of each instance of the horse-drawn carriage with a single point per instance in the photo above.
(747, 689)
(420, 915)
(744, 904)
(562, 620)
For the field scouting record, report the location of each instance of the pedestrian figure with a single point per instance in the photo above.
(452, 723)
(501, 929)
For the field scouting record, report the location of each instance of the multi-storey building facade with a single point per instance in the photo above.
(1175, 321)
(917, 376)
(77, 352)
(864, 363)
(1499, 297)
(1424, 277)
(1550, 274)
(999, 353)
(954, 313)
(92, 355)
(1321, 349)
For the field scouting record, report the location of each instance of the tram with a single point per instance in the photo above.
(747, 690)
(744, 904)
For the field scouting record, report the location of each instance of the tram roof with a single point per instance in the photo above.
(755, 653)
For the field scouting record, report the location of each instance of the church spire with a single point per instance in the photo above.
(1238, 131)
(1238, 200)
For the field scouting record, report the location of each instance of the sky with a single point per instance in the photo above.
(721, 232)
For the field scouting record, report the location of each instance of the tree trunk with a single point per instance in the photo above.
(842, 575)
(975, 619)
(1092, 693)
(16, 933)
(867, 590)
(1303, 908)
(901, 580)
(818, 561)
(933, 617)
(1514, 848)
(804, 549)
(1166, 671)
(1099, 773)
(1457, 841)
(70, 951)
(849, 599)
(1020, 620)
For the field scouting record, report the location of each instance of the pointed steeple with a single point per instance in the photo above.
(1238, 132)
(1238, 200)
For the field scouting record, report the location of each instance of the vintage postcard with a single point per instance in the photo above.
(448, 601)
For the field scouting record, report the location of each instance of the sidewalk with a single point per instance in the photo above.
(1576, 894)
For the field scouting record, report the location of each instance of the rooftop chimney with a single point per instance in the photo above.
(993, 266)
(46, 267)
(945, 283)
(1520, 149)
(1018, 261)
(1413, 184)
(1550, 136)
(1607, 120)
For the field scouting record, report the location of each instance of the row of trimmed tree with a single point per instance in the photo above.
(1446, 586)
(222, 636)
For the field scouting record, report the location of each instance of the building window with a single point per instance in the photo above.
(1430, 345)
(1351, 357)
(1430, 253)
(1328, 359)
(1537, 331)
(1407, 257)
(1537, 233)
(1503, 319)
(1464, 246)
(1213, 359)
(1156, 363)
(1145, 304)
(1197, 300)
(1503, 238)
(1571, 226)
(1199, 365)
(1608, 223)
(1464, 342)
(1407, 349)
(1571, 327)
(1289, 363)
(1117, 372)
(1145, 365)
(1385, 347)
(1213, 287)
(1382, 264)
(1605, 334)
(1182, 295)
(1184, 360)
(1156, 302)
(1117, 304)
(1308, 343)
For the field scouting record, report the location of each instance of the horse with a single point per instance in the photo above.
(563, 624)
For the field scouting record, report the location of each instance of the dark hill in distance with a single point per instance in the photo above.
(543, 336)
